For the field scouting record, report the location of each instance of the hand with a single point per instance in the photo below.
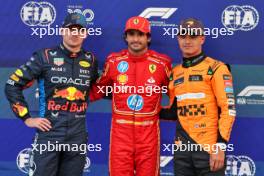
(41, 123)
(217, 160)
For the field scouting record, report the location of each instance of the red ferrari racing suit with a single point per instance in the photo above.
(135, 135)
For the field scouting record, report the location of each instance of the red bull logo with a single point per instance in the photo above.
(71, 93)
(20, 110)
(68, 106)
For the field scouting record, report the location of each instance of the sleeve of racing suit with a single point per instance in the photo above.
(169, 112)
(223, 89)
(95, 74)
(21, 79)
(98, 90)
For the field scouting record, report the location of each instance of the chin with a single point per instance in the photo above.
(189, 52)
(73, 44)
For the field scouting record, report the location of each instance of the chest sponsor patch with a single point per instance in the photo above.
(195, 78)
(178, 81)
(58, 69)
(189, 96)
(122, 79)
(151, 80)
(84, 64)
(135, 102)
(152, 68)
(58, 61)
(122, 67)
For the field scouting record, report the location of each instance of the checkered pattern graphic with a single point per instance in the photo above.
(192, 110)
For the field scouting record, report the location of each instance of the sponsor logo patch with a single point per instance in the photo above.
(122, 67)
(122, 78)
(178, 81)
(152, 68)
(58, 61)
(195, 78)
(84, 64)
(135, 102)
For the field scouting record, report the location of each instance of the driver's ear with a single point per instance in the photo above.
(149, 39)
(203, 39)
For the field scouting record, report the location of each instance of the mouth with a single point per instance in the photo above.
(187, 47)
(136, 44)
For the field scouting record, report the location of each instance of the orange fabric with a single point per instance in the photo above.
(202, 90)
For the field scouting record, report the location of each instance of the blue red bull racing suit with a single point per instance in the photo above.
(64, 80)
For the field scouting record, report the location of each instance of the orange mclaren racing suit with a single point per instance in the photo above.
(205, 104)
(135, 134)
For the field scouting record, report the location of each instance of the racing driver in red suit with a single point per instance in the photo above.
(143, 75)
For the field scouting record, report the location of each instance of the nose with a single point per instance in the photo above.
(187, 40)
(135, 38)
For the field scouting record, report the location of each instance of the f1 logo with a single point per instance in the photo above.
(164, 13)
(252, 90)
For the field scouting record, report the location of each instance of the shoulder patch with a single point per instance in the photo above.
(161, 57)
(90, 57)
(213, 64)
(117, 56)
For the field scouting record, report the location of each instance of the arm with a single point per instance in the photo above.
(222, 85)
(223, 89)
(98, 89)
(19, 80)
(23, 78)
(169, 112)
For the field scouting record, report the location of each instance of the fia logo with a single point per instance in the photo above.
(239, 165)
(244, 18)
(25, 161)
(38, 13)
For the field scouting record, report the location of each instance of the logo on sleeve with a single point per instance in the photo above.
(14, 77)
(19, 73)
(228, 83)
(20, 110)
(122, 67)
(210, 71)
(229, 90)
(226, 77)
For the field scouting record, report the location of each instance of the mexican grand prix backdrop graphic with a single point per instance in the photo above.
(234, 35)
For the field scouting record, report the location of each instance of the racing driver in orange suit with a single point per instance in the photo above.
(143, 75)
(202, 99)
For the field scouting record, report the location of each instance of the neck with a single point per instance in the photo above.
(72, 49)
(139, 53)
(194, 60)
